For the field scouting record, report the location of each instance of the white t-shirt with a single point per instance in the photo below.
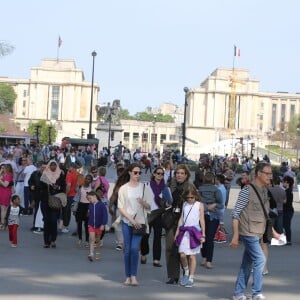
(28, 171)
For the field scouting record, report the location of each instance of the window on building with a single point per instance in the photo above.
(126, 136)
(144, 137)
(172, 137)
(55, 102)
(135, 137)
(24, 93)
(274, 111)
(261, 105)
(24, 103)
(293, 111)
(163, 137)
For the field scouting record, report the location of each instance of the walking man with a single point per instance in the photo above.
(249, 223)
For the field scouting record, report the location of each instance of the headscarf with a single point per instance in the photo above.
(48, 175)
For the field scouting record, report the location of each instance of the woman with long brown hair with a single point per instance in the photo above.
(178, 183)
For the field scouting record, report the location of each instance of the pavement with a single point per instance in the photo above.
(32, 272)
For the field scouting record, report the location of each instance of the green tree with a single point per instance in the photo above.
(151, 117)
(7, 98)
(125, 115)
(43, 132)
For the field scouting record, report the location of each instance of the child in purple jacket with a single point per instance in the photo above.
(97, 221)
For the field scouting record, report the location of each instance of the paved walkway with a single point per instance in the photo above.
(32, 272)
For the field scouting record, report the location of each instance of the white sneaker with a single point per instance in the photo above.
(259, 297)
(241, 297)
(65, 230)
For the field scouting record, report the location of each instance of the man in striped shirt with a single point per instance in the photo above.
(249, 222)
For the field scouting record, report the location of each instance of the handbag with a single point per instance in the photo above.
(143, 227)
(268, 234)
(140, 231)
(54, 202)
(168, 218)
(156, 213)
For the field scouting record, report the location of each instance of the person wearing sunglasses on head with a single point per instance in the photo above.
(134, 201)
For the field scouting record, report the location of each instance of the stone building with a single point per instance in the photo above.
(212, 116)
(58, 93)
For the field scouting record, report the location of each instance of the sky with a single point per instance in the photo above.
(149, 50)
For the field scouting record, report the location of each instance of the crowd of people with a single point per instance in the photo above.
(188, 214)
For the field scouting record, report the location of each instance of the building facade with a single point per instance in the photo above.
(58, 93)
(229, 105)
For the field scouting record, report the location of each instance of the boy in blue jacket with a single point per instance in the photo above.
(97, 221)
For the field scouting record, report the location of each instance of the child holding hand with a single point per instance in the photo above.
(189, 234)
(97, 221)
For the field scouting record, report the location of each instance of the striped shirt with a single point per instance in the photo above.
(241, 203)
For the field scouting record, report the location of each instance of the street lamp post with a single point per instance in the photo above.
(186, 91)
(109, 119)
(282, 144)
(90, 135)
(49, 135)
(298, 137)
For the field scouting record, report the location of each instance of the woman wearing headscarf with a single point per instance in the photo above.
(54, 178)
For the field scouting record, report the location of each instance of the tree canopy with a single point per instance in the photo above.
(43, 132)
(145, 116)
(7, 98)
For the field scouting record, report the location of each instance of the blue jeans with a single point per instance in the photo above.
(253, 257)
(131, 250)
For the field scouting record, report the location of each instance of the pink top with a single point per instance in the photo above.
(6, 192)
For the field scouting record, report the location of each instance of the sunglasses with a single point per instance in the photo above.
(137, 172)
(160, 173)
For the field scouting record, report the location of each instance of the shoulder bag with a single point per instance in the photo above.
(268, 234)
(53, 201)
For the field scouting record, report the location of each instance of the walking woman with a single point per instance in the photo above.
(157, 186)
(178, 183)
(134, 200)
(54, 178)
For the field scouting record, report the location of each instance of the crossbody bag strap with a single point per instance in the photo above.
(260, 200)
(187, 214)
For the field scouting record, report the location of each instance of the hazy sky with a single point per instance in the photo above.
(148, 51)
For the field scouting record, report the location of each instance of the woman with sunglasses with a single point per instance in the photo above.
(157, 186)
(134, 201)
(178, 184)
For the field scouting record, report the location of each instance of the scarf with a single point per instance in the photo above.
(157, 189)
(48, 176)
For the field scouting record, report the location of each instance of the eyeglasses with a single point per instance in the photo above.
(160, 173)
(267, 173)
(137, 172)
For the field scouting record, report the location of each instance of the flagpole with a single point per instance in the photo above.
(57, 56)
(58, 46)
(234, 56)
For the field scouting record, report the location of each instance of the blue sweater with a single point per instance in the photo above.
(97, 214)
